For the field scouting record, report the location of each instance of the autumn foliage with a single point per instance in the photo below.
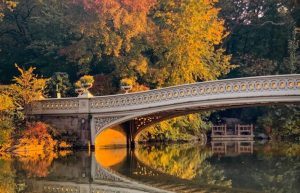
(36, 137)
(28, 86)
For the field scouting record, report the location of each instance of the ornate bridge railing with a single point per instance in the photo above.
(278, 85)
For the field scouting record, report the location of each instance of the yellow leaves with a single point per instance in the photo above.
(190, 32)
(140, 65)
(127, 82)
(139, 87)
(135, 85)
(85, 81)
(6, 103)
(28, 86)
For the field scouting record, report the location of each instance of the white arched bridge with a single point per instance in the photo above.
(138, 110)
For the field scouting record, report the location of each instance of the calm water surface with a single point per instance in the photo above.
(217, 167)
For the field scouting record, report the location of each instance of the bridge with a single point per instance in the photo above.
(135, 111)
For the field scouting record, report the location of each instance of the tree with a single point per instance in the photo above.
(59, 82)
(6, 102)
(28, 87)
(155, 43)
(188, 127)
(260, 31)
(190, 38)
(283, 120)
(263, 42)
(34, 34)
(114, 40)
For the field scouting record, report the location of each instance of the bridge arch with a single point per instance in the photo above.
(107, 111)
(141, 121)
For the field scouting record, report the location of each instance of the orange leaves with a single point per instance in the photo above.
(158, 43)
(138, 5)
(36, 137)
(114, 5)
(120, 20)
(36, 130)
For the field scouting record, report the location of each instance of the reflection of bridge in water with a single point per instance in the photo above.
(99, 180)
(232, 147)
(106, 180)
(95, 178)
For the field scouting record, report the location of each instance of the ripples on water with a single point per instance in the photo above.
(218, 167)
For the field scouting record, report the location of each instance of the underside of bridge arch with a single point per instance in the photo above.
(114, 136)
(122, 129)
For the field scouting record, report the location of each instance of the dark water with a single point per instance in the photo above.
(217, 167)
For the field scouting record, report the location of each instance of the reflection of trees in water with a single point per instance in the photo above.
(34, 164)
(280, 169)
(273, 168)
(7, 176)
(37, 163)
(209, 174)
(184, 161)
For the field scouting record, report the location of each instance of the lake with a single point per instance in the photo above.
(216, 167)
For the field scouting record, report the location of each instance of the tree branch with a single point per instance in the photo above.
(272, 23)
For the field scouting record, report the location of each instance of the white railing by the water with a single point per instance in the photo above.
(277, 85)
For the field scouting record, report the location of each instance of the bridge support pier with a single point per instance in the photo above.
(130, 134)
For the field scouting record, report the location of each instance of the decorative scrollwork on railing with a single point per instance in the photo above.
(61, 188)
(60, 104)
(205, 89)
(253, 86)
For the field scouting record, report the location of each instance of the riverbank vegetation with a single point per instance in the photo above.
(16, 133)
(145, 44)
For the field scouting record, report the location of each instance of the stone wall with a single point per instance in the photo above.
(72, 128)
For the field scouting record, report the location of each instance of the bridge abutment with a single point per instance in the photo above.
(71, 128)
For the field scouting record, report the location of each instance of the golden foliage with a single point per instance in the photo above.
(6, 102)
(35, 137)
(35, 149)
(28, 87)
(127, 82)
(84, 81)
(139, 87)
(190, 34)
(188, 127)
(136, 87)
